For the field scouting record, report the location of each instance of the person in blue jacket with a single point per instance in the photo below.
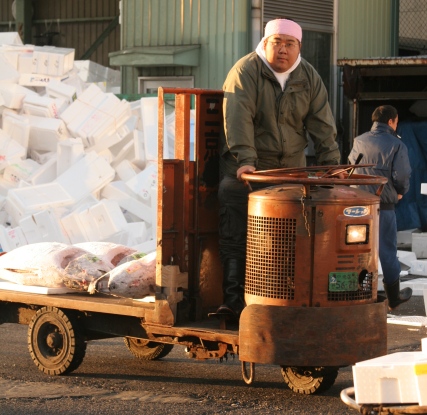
(382, 147)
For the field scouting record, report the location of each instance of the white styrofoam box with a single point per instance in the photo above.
(71, 224)
(13, 52)
(90, 71)
(18, 128)
(14, 94)
(391, 379)
(106, 155)
(10, 38)
(20, 170)
(126, 170)
(99, 130)
(43, 226)
(419, 243)
(138, 233)
(139, 144)
(10, 150)
(104, 142)
(92, 95)
(126, 152)
(61, 60)
(41, 106)
(149, 122)
(141, 184)
(45, 133)
(5, 186)
(73, 228)
(108, 218)
(424, 188)
(77, 110)
(146, 247)
(419, 267)
(119, 192)
(405, 237)
(33, 79)
(40, 197)
(56, 89)
(406, 257)
(41, 156)
(418, 285)
(69, 151)
(8, 73)
(46, 172)
(25, 62)
(87, 175)
(11, 238)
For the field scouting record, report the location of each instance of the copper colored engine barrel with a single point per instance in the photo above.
(295, 242)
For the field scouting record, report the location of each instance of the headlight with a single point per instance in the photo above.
(357, 234)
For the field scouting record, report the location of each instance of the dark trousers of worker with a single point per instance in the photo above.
(233, 216)
(388, 246)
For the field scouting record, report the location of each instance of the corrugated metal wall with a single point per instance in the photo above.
(367, 28)
(221, 27)
(79, 23)
(310, 14)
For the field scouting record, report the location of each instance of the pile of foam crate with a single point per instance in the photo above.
(77, 163)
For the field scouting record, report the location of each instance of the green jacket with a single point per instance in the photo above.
(266, 127)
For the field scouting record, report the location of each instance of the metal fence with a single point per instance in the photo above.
(412, 26)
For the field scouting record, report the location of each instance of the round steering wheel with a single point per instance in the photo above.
(316, 175)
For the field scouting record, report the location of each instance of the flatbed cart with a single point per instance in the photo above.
(347, 396)
(311, 270)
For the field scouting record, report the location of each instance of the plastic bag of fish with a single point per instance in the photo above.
(93, 266)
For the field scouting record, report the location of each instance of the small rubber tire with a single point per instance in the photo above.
(147, 350)
(309, 380)
(55, 343)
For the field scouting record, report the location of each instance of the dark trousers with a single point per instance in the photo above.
(233, 197)
(233, 217)
(388, 246)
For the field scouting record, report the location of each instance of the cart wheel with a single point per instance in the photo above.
(146, 349)
(55, 344)
(309, 380)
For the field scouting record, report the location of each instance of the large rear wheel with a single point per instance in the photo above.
(146, 349)
(309, 380)
(55, 343)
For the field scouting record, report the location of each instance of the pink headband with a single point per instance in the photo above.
(283, 27)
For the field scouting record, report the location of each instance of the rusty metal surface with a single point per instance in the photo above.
(294, 243)
(312, 336)
(187, 212)
(387, 61)
(80, 301)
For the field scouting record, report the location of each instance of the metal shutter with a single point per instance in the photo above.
(315, 15)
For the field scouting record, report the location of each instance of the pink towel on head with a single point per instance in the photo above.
(283, 27)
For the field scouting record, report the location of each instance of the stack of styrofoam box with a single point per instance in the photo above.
(397, 378)
(76, 163)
